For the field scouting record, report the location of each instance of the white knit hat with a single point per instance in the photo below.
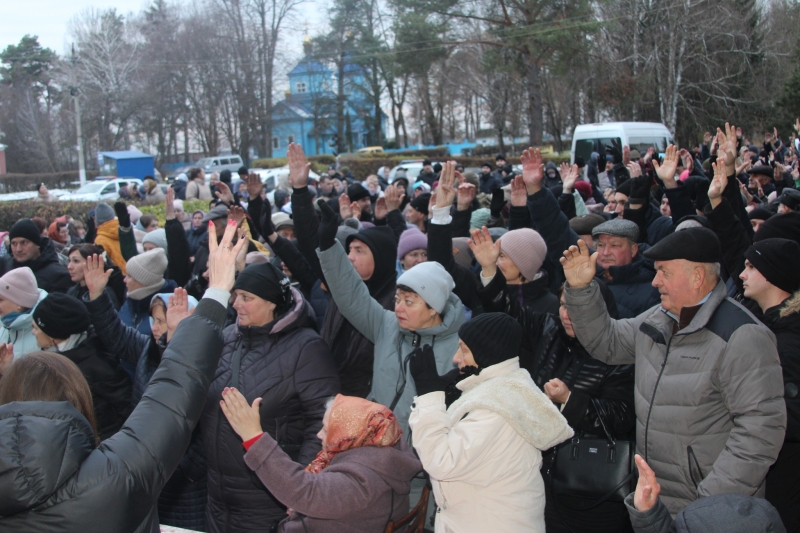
(148, 268)
(431, 281)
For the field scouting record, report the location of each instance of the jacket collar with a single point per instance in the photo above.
(664, 323)
(452, 318)
(285, 323)
(500, 369)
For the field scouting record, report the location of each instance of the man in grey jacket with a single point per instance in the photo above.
(710, 415)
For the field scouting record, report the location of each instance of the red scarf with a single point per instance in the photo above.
(353, 423)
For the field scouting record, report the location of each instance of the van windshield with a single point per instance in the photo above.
(642, 144)
(585, 147)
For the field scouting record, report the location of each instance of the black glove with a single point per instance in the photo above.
(267, 227)
(122, 214)
(615, 150)
(698, 190)
(640, 190)
(498, 202)
(328, 226)
(423, 369)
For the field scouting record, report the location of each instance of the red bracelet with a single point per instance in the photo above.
(252, 441)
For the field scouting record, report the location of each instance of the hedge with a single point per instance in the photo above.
(10, 212)
(27, 182)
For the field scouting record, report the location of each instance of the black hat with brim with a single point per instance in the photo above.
(699, 245)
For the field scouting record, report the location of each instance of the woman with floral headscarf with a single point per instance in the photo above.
(358, 481)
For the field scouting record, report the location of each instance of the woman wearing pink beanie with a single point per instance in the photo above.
(19, 296)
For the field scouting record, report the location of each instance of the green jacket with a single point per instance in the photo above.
(392, 343)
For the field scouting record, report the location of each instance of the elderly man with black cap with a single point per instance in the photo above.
(789, 200)
(708, 393)
(30, 249)
(417, 211)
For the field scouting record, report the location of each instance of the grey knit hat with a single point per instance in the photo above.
(431, 281)
(103, 213)
(148, 268)
(157, 237)
(618, 227)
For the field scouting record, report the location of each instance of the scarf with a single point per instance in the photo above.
(353, 423)
(73, 340)
(143, 292)
(11, 317)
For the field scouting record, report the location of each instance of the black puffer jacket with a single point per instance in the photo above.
(353, 353)
(289, 366)
(182, 502)
(632, 285)
(64, 484)
(50, 274)
(110, 385)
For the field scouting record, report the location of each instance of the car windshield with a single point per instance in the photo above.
(90, 188)
(205, 162)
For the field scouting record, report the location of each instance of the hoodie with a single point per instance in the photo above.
(19, 330)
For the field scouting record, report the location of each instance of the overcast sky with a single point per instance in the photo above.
(48, 18)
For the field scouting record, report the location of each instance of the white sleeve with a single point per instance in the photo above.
(441, 216)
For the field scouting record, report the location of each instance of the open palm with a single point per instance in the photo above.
(579, 266)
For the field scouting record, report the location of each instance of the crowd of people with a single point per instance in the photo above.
(609, 346)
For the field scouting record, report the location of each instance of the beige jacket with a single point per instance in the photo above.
(483, 454)
(198, 189)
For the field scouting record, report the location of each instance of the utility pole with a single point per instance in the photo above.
(74, 92)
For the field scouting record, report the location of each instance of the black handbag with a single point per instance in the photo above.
(595, 469)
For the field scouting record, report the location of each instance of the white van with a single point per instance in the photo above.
(640, 136)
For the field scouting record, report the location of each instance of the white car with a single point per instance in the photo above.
(269, 176)
(413, 168)
(102, 189)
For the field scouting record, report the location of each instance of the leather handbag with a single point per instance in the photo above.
(595, 469)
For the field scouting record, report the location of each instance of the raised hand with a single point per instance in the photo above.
(328, 226)
(177, 310)
(446, 192)
(298, 166)
(380, 208)
(718, 183)
(222, 257)
(394, 197)
(579, 267)
(647, 488)
(466, 194)
(345, 211)
(570, 176)
(123, 216)
(355, 209)
(634, 169)
(254, 185)
(169, 204)
(519, 194)
(6, 357)
(241, 257)
(666, 170)
(224, 193)
(778, 171)
(745, 166)
(532, 170)
(236, 213)
(626, 155)
(243, 418)
(727, 144)
(687, 159)
(486, 252)
(95, 276)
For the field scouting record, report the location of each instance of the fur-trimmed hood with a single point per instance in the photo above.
(792, 305)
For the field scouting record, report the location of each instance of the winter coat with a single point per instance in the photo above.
(393, 344)
(154, 197)
(108, 238)
(75, 486)
(20, 331)
(632, 285)
(136, 313)
(51, 275)
(179, 186)
(489, 182)
(353, 352)
(110, 386)
(288, 365)
(653, 226)
(710, 415)
(182, 501)
(198, 189)
(359, 492)
(80, 292)
(554, 182)
(483, 453)
(195, 236)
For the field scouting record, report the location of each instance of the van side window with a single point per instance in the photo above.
(236, 160)
(224, 161)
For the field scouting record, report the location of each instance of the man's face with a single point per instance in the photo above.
(501, 162)
(665, 209)
(615, 251)
(428, 169)
(287, 232)
(331, 171)
(413, 216)
(783, 209)
(365, 205)
(622, 203)
(485, 170)
(362, 259)
(755, 284)
(673, 281)
(326, 185)
(24, 250)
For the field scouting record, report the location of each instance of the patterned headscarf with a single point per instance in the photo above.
(353, 423)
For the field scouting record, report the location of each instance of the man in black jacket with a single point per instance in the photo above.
(30, 249)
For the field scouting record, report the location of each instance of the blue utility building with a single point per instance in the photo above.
(307, 115)
(127, 164)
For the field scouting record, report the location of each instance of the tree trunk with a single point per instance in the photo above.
(535, 126)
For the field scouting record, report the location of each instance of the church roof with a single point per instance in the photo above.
(309, 66)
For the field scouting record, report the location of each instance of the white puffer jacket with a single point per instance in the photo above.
(483, 454)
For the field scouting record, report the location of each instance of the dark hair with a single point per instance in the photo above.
(86, 249)
(40, 223)
(146, 220)
(48, 377)
(194, 172)
(406, 288)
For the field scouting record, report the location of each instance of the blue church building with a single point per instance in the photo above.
(307, 115)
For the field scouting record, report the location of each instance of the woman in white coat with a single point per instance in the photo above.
(483, 452)
(19, 296)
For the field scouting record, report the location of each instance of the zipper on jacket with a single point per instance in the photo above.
(653, 397)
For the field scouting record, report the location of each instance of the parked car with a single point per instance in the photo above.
(412, 167)
(371, 150)
(101, 189)
(219, 163)
(269, 176)
(639, 136)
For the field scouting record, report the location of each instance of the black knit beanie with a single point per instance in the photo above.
(26, 229)
(60, 316)
(421, 202)
(785, 226)
(776, 260)
(492, 338)
(268, 283)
